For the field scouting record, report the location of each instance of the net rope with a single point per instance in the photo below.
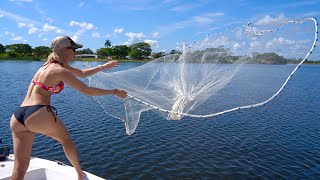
(217, 73)
(257, 104)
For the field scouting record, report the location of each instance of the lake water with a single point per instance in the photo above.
(277, 141)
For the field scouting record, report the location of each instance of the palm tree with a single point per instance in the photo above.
(107, 43)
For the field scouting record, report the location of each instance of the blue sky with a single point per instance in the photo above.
(162, 23)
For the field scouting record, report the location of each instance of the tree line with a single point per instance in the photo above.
(143, 50)
(139, 50)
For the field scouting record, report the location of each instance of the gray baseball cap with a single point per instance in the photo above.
(64, 42)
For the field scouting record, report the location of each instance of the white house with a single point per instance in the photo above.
(86, 56)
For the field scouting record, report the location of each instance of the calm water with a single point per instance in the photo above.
(277, 141)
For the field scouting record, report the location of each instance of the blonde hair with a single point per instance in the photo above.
(57, 56)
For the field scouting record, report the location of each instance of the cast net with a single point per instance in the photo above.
(242, 67)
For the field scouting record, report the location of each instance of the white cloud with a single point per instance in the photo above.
(134, 37)
(17, 18)
(236, 46)
(186, 7)
(17, 38)
(48, 28)
(118, 30)
(75, 38)
(82, 25)
(1, 15)
(279, 41)
(33, 30)
(19, 1)
(152, 43)
(95, 35)
(9, 33)
(268, 20)
(156, 35)
(204, 20)
(25, 25)
(14, 36)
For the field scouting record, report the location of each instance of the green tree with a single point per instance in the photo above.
(41, 51)
(120, 51)
(107, 43)
(2, 49)
(140, 50)
(269, 58)
(104, 52)
(24, 49)
(158, 54)
(134, 53)
(85, 51)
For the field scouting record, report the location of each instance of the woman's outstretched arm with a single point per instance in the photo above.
(69, 78)
(82, 73)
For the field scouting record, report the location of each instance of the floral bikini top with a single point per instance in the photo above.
(52, 89)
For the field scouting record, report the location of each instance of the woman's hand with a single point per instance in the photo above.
(110, 64)
(120, 93)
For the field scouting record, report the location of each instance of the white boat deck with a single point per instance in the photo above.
(41, 169)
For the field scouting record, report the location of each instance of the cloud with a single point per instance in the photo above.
(268, 20)
(132, 35)
(186, 7)
(33, 30)
(75, 38)
(17, 18)
(21, 1)
(82, 25)
(206, 18)
(95, 35)
(152, 43)
(25, 25)
(14, 37)
(236, 46)
(134, 38)
(279, 42)
(48, 28)
(156, 35)
(18, 38)
(203, 20)
(137, 5)
(118, 30)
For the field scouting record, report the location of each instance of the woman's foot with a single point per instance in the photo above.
(83, 176)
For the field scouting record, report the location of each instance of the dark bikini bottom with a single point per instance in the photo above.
(25, 111)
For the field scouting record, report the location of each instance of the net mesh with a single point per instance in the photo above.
(242, 67)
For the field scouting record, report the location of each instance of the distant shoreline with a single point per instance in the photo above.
(81, 59)
(123, 60)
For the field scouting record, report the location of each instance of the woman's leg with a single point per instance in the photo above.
(43, 122)
(22, 146)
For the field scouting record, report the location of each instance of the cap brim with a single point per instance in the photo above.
(76, 46)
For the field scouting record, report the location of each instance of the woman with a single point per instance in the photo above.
(36, 115)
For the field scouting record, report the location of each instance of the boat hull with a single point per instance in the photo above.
(42, 169)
